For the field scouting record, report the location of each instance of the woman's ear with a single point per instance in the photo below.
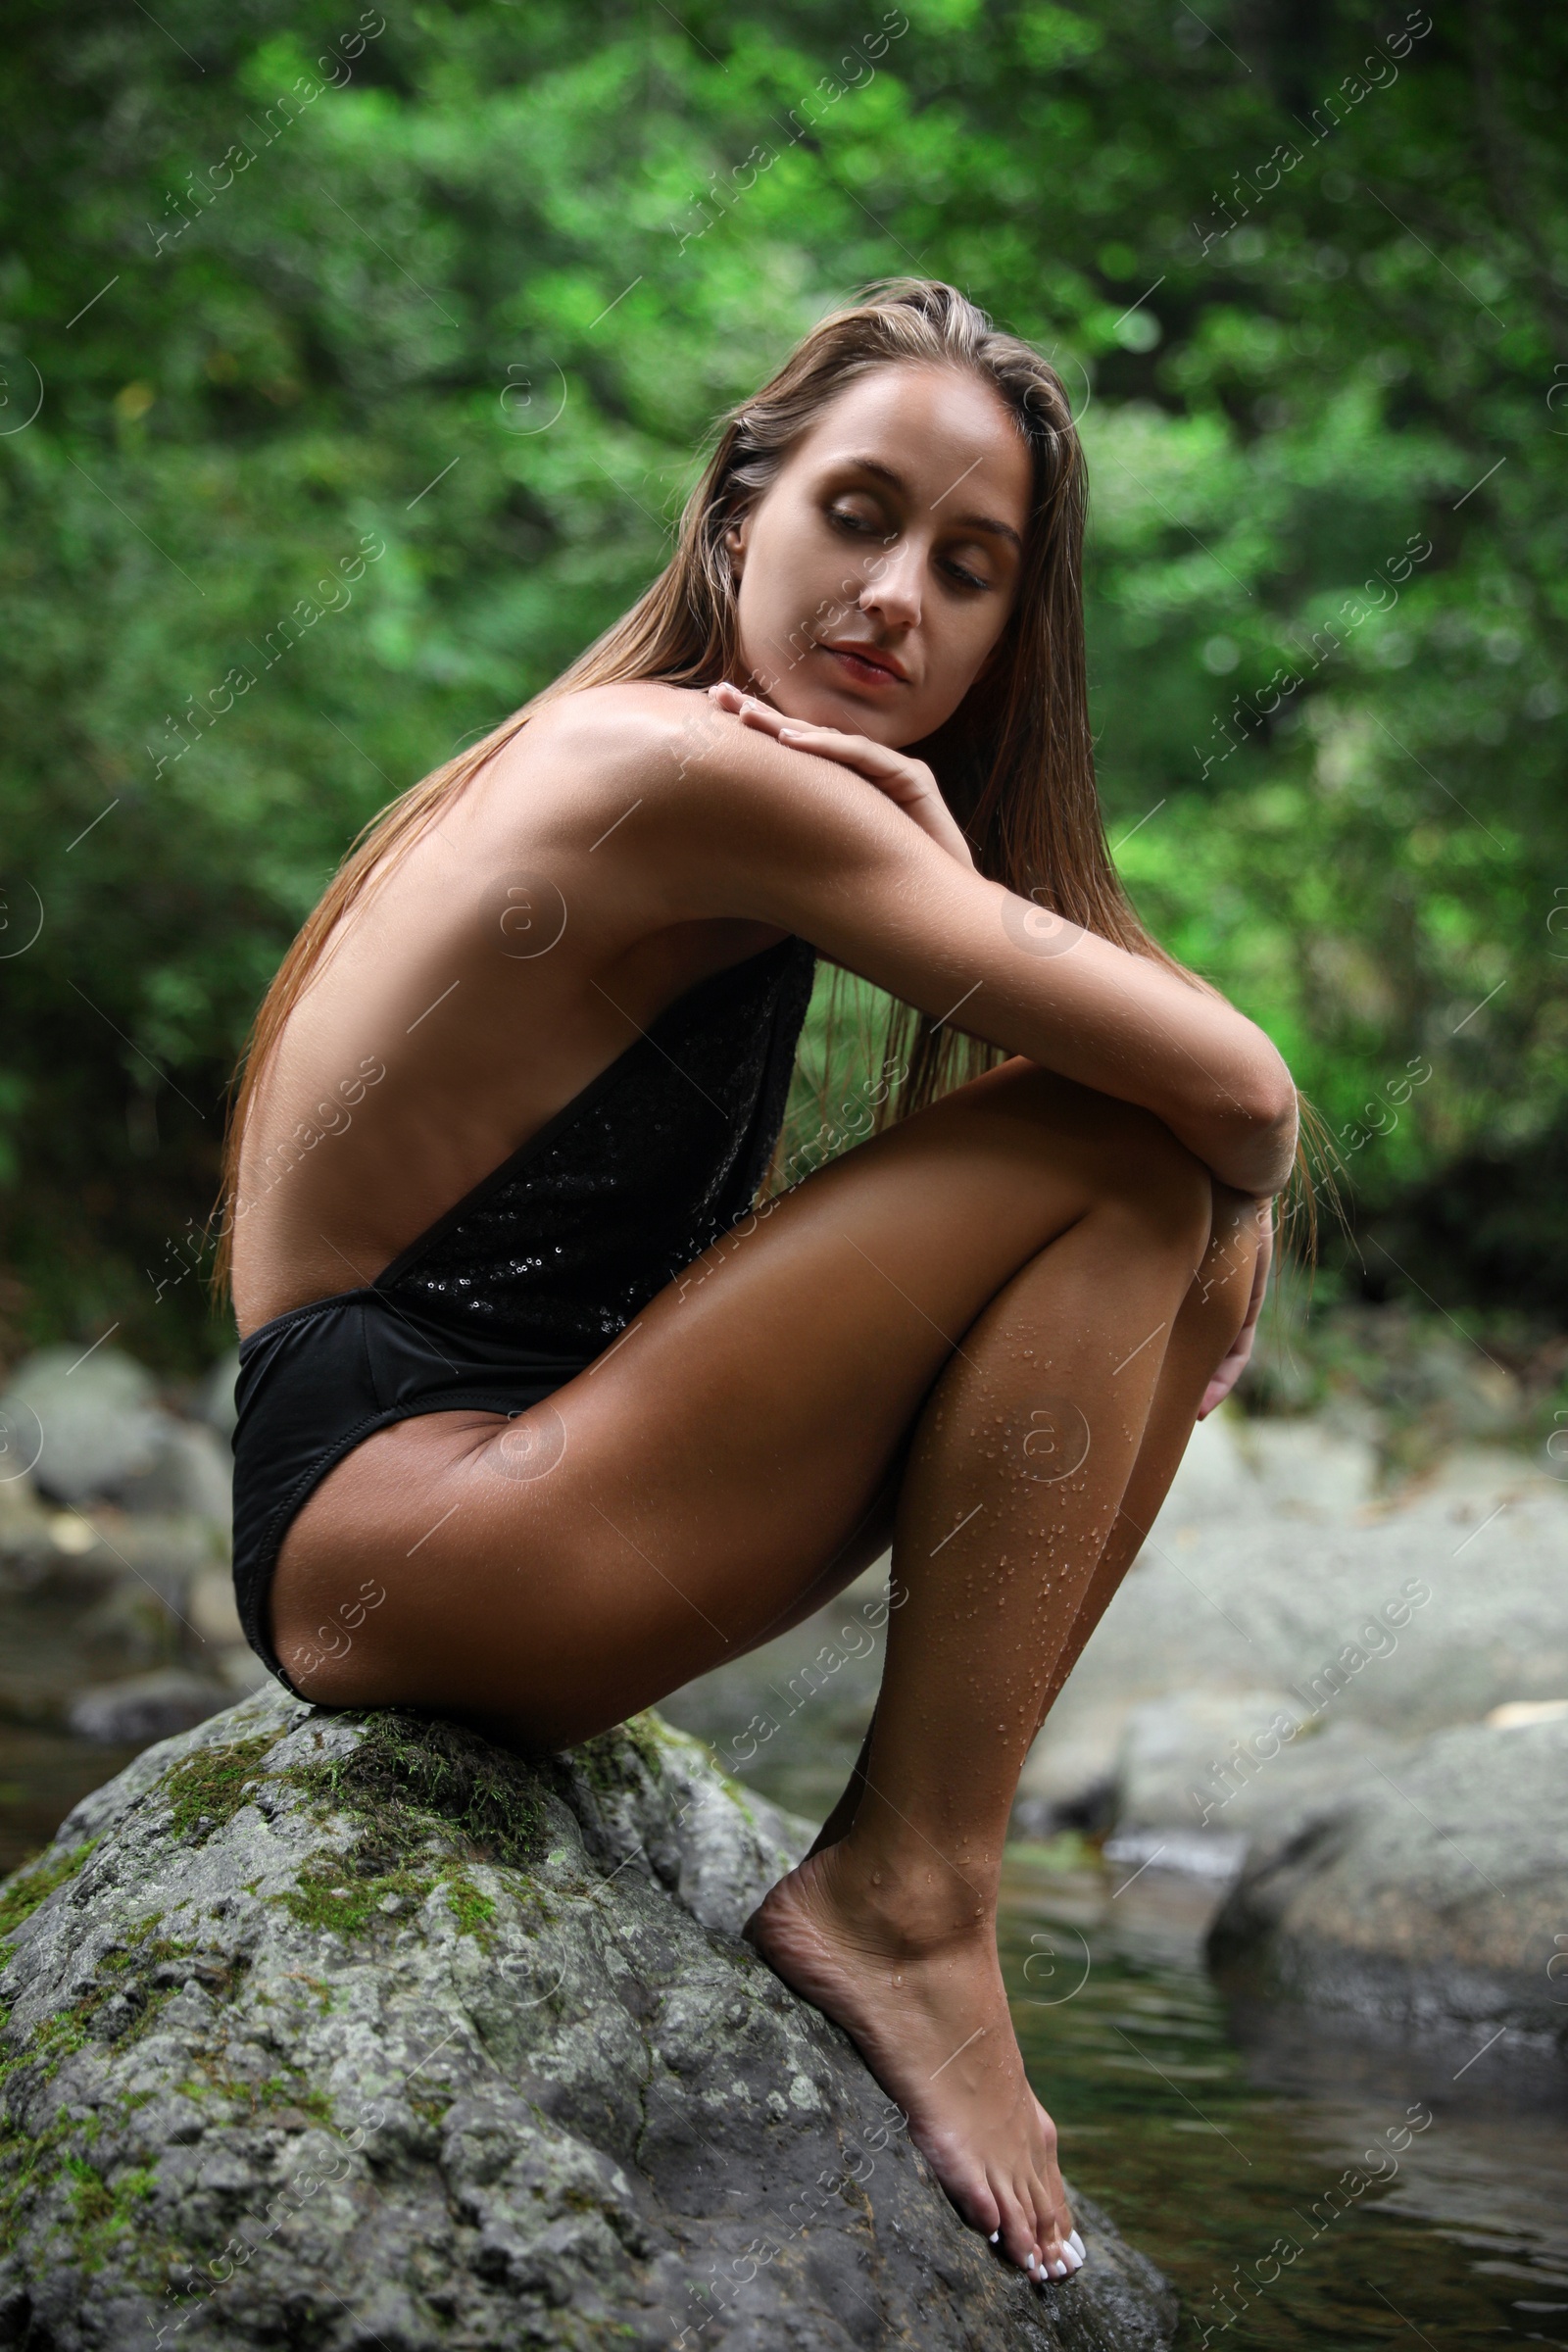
(736, 535)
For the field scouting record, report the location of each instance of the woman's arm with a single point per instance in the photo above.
(730, 822)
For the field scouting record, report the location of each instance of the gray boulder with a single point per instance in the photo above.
(1431, 1891)
(93, 1418)
(1253, 1765)
(88, 1427)
(355, 2029)
(144, 1708)
(190, 1472)
(215, 1400)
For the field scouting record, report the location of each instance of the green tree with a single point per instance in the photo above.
(455, 293)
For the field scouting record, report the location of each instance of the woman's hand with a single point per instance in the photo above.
(907, 782)
(1229, 1372)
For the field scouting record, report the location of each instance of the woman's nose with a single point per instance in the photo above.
(893, 587)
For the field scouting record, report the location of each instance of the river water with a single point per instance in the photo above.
(1300, 2187)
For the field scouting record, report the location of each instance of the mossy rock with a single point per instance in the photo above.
(342, 2029)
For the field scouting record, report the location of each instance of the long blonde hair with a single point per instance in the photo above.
(1016, 762)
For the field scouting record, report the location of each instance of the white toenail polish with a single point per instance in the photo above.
(995, 2235)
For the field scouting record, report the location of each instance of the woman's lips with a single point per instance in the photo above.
(865, 673)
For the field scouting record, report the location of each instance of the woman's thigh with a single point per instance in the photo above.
(736, 1446)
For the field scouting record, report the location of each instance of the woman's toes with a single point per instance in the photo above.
(1017, 2234)
(1077, 2246)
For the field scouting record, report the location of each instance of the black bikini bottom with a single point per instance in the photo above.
(315, 1382)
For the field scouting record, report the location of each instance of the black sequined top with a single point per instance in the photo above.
(569, 1239)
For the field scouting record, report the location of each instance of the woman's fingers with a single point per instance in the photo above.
(749, 706)
(873, 760)
(1230, 1371)
(909, 783)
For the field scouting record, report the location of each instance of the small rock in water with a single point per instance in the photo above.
(1431, 1895)
(144, 1707)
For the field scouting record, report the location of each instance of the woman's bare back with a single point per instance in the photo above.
(508, 958)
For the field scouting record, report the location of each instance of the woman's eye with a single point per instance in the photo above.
(851, 520)
(967, 579)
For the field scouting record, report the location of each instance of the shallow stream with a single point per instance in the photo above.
(1300, 2187)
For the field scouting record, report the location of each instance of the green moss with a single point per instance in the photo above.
(617, 1759)
(48, 2047)
(97, 2212)
(429, 2107)
(25, 1889)
(28, 2159)
(424, 1799)
(411, 1773)
(143, 1973)
(206, 1791)
(94, 2201)
(103, 2212)
(474, 1912)
(329, 1893)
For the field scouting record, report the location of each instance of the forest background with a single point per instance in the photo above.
(355, 361)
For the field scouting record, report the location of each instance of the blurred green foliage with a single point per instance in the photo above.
(468, 282)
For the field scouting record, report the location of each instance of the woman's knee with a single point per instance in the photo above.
(1139, 1169)
(1120, 1157)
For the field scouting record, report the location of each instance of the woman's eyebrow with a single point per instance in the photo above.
(968, 522)
(988, 523)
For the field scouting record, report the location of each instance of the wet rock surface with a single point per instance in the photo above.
(1434, 1896)
(341, 2031)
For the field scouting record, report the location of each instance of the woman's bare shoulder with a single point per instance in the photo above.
(609, 729)
(669, 751)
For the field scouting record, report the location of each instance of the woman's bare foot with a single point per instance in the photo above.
(923, 2000)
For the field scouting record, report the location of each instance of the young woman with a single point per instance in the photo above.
(515, 1358)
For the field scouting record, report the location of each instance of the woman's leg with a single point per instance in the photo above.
(1003, 1269)
(1209, 1316)
(891, 1928)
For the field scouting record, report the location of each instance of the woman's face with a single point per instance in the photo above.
(878, 569)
